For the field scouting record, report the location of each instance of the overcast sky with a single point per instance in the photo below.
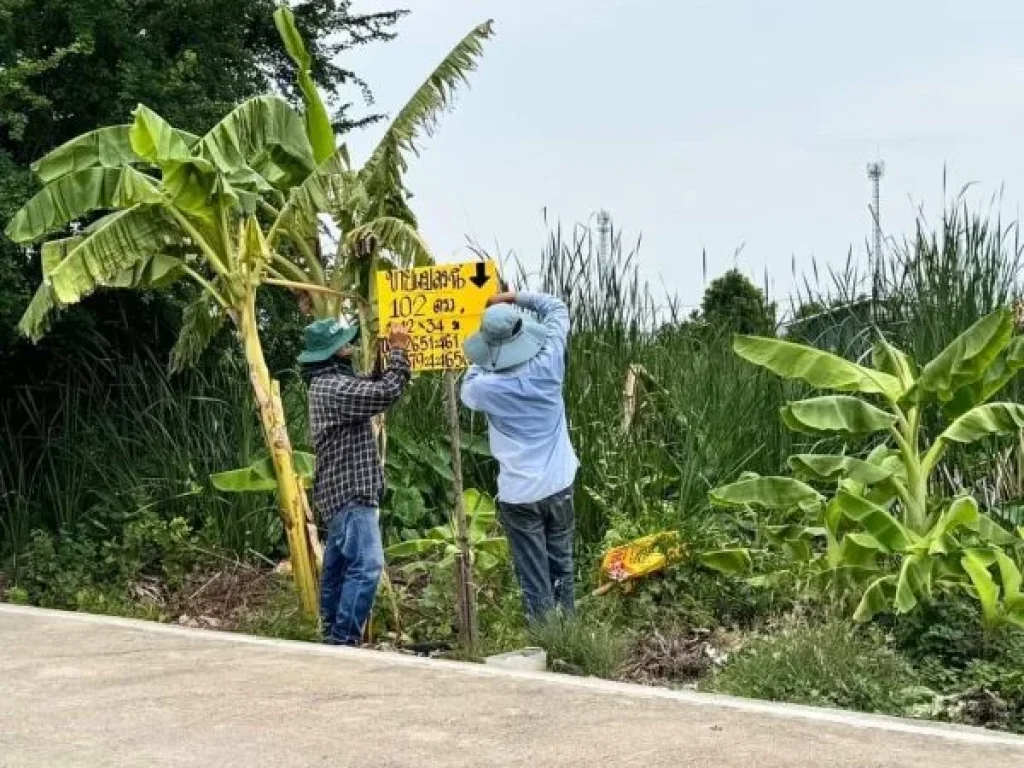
(709, 124)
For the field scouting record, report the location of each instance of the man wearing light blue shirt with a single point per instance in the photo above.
(518, 367)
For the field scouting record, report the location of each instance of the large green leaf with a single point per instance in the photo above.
(975, 563)
(729, 561)
(821, 370)
(1002, 370)
(109, 147)
(244, 480)
(318, 122)
(159, 271)
(201, 321)
(155, 140)
(155, 271)
(990, 532)
(260, 477)
(125, 240)
(767, 492)
(962, 512)
(383, 171)
(835, 414)
(264, 134)
(859, 550)
(38, 316)
(317, 194)
(915, 581)
(193, 185)
(887, 358)
(77, 194)
(876, 521)
(825, 468)
(991, 420)
(1009, 575)
(479, 507)
(414, 547)
(495, 545)
(395, 236)
(878, 598)
(966, 359)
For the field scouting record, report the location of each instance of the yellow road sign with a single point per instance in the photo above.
(441, 305)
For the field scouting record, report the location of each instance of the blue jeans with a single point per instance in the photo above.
(353, 562)
(540, 536)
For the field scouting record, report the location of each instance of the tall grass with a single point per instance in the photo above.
(104, 443)
(928, 288)
(925, 291)
(116, 438)
(701, 414)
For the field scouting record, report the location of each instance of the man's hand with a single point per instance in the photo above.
(398, 337)
(506, 297)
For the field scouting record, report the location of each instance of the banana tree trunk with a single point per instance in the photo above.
(303, 541)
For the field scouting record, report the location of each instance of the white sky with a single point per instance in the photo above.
(714, 124)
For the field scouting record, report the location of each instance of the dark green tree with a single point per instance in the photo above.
(68, 66)
(732, 301)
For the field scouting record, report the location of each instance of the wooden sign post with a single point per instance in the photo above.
(441, 306)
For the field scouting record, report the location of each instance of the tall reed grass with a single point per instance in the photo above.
(701, 414)
(91, 447)
(113, 438)
(922, 293)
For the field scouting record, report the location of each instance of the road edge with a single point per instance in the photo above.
(963, 734)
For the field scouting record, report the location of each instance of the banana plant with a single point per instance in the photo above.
(369, 204)
(440, 543)
(163, 206)
(876, 522)
(231, 211)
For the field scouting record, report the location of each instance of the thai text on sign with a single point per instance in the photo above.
(441, 305)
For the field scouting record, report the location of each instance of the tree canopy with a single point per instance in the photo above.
(69, 66)
(734, 302)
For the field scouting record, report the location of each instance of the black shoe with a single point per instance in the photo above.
(329, 640)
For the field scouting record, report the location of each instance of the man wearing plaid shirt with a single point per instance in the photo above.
(349, 479)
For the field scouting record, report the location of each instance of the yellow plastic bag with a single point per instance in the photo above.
(640, 557)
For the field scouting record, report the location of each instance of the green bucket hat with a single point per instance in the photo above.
(323, 338)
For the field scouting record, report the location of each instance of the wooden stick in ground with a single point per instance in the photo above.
(464, 588)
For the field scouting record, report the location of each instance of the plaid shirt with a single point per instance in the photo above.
(340, 411)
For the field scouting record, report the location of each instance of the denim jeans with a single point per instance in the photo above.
(541, 538)
(353, 562)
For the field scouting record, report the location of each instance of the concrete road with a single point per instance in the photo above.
(90, 692)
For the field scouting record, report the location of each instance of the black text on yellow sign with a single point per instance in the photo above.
(441, 306)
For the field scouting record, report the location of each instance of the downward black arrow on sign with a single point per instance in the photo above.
(481, 278)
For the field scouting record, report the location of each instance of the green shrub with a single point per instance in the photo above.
(834, 664)
(582, 644)
(280, 617)
(83, 568)
(978, 676)
(947, 632)
(17, 595)
(114, 602)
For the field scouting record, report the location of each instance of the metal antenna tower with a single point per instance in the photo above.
(876, 171)
(604, 230)
(875, 261)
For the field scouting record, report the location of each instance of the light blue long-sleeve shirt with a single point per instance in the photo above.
(529, 434)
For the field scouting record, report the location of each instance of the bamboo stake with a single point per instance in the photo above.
(464, 588)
